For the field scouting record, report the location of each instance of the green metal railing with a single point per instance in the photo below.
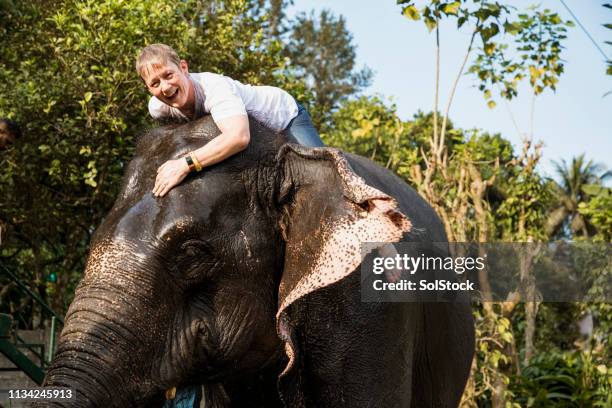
(10, 344)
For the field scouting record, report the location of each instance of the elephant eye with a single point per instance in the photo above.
(195, 261)
(191, 250)
(195, 247)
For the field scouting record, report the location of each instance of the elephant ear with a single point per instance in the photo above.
(328, 211)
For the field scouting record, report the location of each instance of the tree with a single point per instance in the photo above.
(7, 9)
(322, 52)
(598, 210)
(367, 126)
(537, 46)
(570, 193)
(455, 186)
(276, 24)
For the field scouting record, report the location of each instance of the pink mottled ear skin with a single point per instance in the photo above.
(340, 241)
(332, 214)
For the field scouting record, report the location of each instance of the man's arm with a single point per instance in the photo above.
(234, 137)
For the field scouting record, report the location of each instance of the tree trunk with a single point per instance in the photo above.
(555, 220)
(530, 318)
(529, 294)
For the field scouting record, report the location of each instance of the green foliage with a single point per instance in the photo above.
(556, 323)
(579, 179)
(521, 216)
(485, 17)
(578, 174)
(67, 76)
(493, 336)
(322, 54)
(481, 196)
(482, 13)
(537, 38)
(368, 127)
(275, 24)
(483, 149)
(537, 41)
(598, 210)
(564, 379)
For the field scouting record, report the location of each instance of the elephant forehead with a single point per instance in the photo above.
(174, 137)
(107, 256)
(196, 200)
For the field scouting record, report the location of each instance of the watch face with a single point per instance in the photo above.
(190, 162)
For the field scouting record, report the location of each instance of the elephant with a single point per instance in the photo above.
(245, 279)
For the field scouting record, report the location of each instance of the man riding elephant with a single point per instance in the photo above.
(182, 96)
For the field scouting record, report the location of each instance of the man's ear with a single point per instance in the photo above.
(328, 212)
(184, 66)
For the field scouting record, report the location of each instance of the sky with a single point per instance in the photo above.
(573, 120)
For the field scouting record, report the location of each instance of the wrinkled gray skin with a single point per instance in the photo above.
(186, 288)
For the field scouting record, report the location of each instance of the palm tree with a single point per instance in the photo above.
(569, 193)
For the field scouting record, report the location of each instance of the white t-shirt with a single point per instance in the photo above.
(223, 97)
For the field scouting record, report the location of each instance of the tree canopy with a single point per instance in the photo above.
(321, 50)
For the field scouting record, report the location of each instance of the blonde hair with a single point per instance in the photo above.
(156, 55)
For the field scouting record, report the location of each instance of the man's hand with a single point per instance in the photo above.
(169, 175)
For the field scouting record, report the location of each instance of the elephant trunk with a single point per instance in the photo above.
(102, 348)
(92, 355)
(80, 370)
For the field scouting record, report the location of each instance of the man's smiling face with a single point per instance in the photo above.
(170, 84)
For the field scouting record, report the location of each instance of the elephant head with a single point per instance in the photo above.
(203, 286)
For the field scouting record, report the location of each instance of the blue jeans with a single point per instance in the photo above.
(186, 397)
(302, 129)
